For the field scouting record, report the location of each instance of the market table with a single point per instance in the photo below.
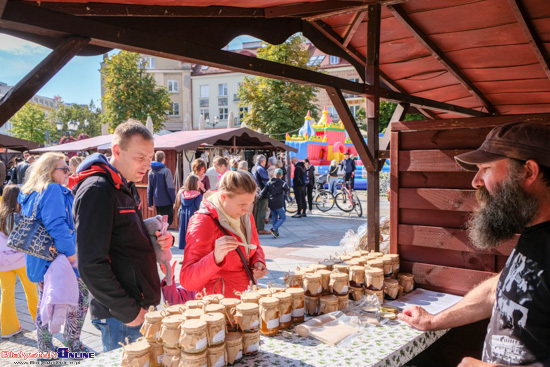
(393, 344)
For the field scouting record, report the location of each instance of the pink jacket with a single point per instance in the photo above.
(10, 259)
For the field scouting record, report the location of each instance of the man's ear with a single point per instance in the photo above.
(532, 173)
(116, 151)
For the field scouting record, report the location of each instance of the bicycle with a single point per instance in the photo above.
(290, 202)
(347, 200)
(324, 200)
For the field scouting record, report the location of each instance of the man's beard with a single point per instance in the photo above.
(501, 215)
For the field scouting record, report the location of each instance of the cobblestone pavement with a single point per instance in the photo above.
(302, 241)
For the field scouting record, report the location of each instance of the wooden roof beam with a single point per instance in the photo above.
(2, 6)
(400, 14)
(316, 9)
(531, 35)
(355, 23)
(27, 87)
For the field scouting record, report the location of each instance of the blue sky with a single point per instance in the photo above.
(77, 82)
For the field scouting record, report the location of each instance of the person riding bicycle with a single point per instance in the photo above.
(348, 166)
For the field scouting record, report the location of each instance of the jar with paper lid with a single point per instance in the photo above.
(298, 300)
(269, 316)
(376, 263)
(388, 266)
(193, 313)
(230, 304)
(215, 328)
(247, 316)
(362, 260)
(312, 284)
(343, 302)
(406, 280)
(193, 337)
(175, 310)
(213, 298)
(194, 359)
(339, 283)
(394, 264)
(376, 254)
(312, 305)
(328, 304)
(308, 270)
(156, 353)
(216, 356)
(151, 326)
(391, 288)
(294, 279)
(364, 252)
(325, 280)
(356, 293)
(341, 268)
(356, 254)
(193, 304)
(356, 276)
(329, 263)
(264, 292)
(136, 354)
(171, 357)
(251, 343)
(345, 258)
(215, 308)
(374, 278)
(277, 288)
(285, 309)
(170, 330)
(233, 347)
(379, 294)
(318, 267)
(353, 262)
(250, 297)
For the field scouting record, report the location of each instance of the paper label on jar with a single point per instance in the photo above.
(345, 289)
(286, 318)
(239, 355)
(218, 338)
(255, 324)
(159, 358)
(253, 348)
(299, 312)
(220, 362)
(272, 324)
(201, 344)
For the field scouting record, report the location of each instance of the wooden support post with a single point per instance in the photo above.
(372, 78)
(2, 6)
(16, 97)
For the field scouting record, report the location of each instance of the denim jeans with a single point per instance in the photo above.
(114, 331)
(279, 216)
(332, 185)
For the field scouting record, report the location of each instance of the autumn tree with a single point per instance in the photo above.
(87, 117)
(30, 123)
(130, 92)
(386, 112)
(278, 106)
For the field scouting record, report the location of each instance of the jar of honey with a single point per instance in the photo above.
(156, 353)
(376, 255)
(388, 266)
(170, 330)
(374, 278)
(379, 294)
(278, 288)
(213, 298)
(312, 285)
(329, 263)
(376, 263)
(151, 326)
(230, 304)
(354, 262)
(356, 276)
(215, 308)
(343, 302)
(391, 288)
(356, 254)
(285, 309)
(294, 279)
(248, 317)
(193, 313)
(193, 337)
(193, 304)
(339, 283)
(345, 258)
(269, 316)
(215, 328)
(264, 292)
(356, 293)
(406, 280)
(173, 310)
(234, 347)
(250, 297)
(171, 357)
(342, 268)
(312, 305)
(328, 304)
(318, 267)
(325, 280)
(298, 304)
(216, 356)
(251, 343)
(394, 264)
(136, 354)
(194, 359)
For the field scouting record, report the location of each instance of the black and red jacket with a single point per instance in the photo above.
(116, 258)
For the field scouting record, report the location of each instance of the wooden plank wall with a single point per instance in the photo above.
(431, 200)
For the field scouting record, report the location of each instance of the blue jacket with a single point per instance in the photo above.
(55, 210)
(261, 176)
(160, 190)
(348, 165)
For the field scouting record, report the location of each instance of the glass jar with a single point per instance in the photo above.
(325, 280)
(215, 308)
(278, 288)
(356, 276)
(170, 330)
(312, 305)
(339, 283)
(234, 347)
(329, 263)
(376, 263)
(312, 285)
(388, 266)
(374, 279)
(356, 293)
(406, 280)
(391, 289)
(379, 294)
(394, 264)
(345, 258)
(285, 309)
(342, 268)
(250, 297)
(215, 328)
(264, 292)
(251, 343)
(194, 359)
(343, 302)
(136, 354)
(156, 353)
(247, 316)
(151, 326)
(171, 357)
(195, 304)
(269, 316)
(174, 310)
(318, 267)
(230, 304)
(216, 356)
(298, 304)
(213, 298)
(294, 279)
(193, 338)
(354, 262)
(193, 314)
(328, 304)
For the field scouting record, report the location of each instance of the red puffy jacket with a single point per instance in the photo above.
(200, 271)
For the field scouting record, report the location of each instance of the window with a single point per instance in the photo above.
(222, 101)
(174, 110)
(316, 60)
(205, 112)
(354, 109)
(224, 113)
(242, 112)
(205, 93)
(332, 112)
(222, 89)
(334, 60)
(204, 102)
(147, 62)
(173, 86)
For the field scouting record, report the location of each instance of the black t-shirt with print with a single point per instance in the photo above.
(519, 330)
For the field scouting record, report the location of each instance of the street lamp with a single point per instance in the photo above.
(214, 123)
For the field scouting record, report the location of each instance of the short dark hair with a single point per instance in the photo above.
(306, 160)
(159, 156)
(126, 130)
(544, 170)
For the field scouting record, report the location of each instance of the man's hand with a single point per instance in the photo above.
(472, 362)
(139, 319)
(418, 318)
(259, 270)
(165, 241)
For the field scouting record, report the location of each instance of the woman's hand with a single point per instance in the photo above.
(165, 241)
(259, 270)
(72, 258)
(223, 246)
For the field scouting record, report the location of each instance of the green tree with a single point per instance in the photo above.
(89, 115)
(30, 123)
(130, 92)
(386, 112)
(277, 106)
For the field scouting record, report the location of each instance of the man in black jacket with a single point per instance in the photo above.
(299, 185)
(116, 258)
(275, 191)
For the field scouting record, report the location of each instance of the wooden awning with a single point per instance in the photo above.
(77, 146)
(11, 142)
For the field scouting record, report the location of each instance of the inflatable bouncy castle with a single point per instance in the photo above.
(324, 141)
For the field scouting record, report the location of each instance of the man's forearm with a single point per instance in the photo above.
(475, 306)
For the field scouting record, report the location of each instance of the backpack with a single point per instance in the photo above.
(305, 178)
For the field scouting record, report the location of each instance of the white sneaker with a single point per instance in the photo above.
(12, 334)
(310, 212)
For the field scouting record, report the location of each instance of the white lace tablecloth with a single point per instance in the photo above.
(390, 345)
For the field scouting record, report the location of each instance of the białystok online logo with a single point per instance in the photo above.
(61, 353)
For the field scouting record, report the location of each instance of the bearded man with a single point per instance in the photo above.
(513, 190)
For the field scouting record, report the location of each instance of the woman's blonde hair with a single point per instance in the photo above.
(237, 182)
(191, 183)
(334, 162)
(233, 164)
(40, 173)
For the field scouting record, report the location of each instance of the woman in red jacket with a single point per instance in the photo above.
(210, 260)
